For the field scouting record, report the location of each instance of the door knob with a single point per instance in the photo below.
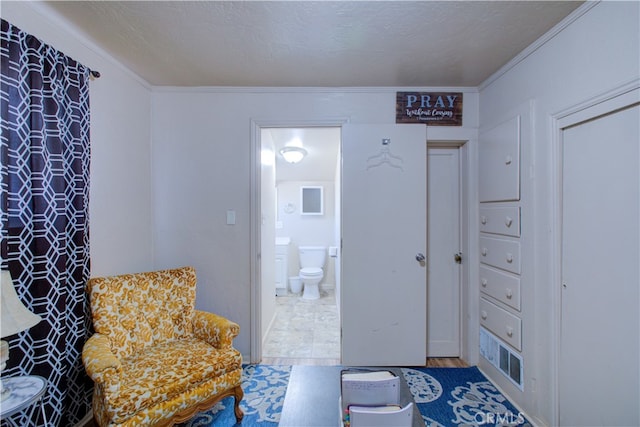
(421, 259)
(458, 258)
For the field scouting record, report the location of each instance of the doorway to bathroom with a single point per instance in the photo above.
(300, 207)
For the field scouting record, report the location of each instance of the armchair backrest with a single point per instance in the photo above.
(137, 310)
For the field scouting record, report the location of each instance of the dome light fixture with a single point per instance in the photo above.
(293, 154)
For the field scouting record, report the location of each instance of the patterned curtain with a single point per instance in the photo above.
(45, 226)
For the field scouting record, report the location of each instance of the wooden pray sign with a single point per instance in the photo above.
(430, 108)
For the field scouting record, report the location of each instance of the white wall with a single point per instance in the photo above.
(202, 168)
(120, 205)
(268, 236)
(597, 53)
(337, 232)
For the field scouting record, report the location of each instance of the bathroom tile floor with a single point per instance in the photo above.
(304, 331)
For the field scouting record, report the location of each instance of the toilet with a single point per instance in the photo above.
(311, 263)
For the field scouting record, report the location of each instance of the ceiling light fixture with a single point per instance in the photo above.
(293, 154)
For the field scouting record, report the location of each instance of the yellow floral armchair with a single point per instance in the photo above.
(155, 360)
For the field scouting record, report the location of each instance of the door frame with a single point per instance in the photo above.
(255, 222)
(469, 294)
(464, 138)
(463, 217)
(608, 102)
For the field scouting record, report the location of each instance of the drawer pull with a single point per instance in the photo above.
(509, 293)
(509, 258)
(483, 219)
(508, 160)
(508, 221)
(484, 251)
(509, 331)
(484, 282)
(483, 314)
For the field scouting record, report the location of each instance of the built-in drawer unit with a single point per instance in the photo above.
(500, 253)
(502, 286)
(502, 323)
(499, 162)
(501, 220)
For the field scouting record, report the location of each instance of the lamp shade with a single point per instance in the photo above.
(14, 316)
(293, 154)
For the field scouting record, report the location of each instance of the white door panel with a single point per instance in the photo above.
(383, 229)
(599, 343)
(443, 311)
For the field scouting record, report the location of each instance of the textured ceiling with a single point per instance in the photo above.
(313, 44)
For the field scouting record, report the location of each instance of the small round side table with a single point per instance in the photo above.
(25, 391)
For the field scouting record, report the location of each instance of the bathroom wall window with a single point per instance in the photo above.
(311, 200)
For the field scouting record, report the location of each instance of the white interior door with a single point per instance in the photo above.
(599, 343)
(383, 231)
(443, 280)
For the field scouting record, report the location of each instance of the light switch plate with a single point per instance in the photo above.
(231, 217)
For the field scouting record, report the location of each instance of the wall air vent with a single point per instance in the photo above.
(503, 357)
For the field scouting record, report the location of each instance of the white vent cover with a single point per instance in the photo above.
(500, 355)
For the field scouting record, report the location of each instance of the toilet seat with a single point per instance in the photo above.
(311, 272)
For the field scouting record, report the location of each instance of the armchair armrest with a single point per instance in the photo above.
(102, 366)
(214, 329)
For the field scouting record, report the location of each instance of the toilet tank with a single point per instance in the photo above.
(312, 256)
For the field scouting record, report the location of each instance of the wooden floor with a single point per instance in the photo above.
(446, 362)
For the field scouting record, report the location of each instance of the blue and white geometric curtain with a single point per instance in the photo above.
(45, 223)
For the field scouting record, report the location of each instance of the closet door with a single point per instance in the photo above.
(599, 343)
(443, 273)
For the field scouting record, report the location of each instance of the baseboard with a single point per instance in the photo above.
(271, 323)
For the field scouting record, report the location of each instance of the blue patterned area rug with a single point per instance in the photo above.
(444, 397)
(460, 396)
(264, 388)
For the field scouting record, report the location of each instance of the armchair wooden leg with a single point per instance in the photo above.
(238, 393)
